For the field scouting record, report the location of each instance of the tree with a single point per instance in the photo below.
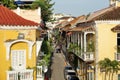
(46, 8)
(9, 3)
(109, 67)
(105, 65)
(115, 67)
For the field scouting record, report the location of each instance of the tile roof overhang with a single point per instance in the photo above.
(83, 29)
(109, 13)
(73, 23)
(11, 19)
(116, 28)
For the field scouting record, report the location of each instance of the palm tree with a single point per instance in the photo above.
(115, 67)
(105, 65)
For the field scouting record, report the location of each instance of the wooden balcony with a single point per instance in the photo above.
(20, 75)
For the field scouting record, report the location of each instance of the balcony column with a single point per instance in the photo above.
(78, 38)
(85, 41)
(81, 37)
(72, 38)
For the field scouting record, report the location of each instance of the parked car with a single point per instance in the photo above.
(68, 67)
(73, 78)
(69, 73)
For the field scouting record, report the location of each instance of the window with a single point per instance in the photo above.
(18, 59)
(118, 39)
(118, 76)
(21, 36)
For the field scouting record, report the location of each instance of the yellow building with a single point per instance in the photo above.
(19, 46)
(98, 36)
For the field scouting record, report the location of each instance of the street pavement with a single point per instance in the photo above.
(55, 71)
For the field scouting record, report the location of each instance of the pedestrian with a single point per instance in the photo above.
(58, 50)
(46, 77)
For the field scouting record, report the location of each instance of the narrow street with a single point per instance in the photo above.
(57, 67)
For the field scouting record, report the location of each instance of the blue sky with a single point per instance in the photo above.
(78, 7)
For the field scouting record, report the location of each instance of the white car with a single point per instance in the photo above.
(69, 73)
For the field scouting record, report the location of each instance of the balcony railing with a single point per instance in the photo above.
(117, 56)
(88, 56)
(39, 72)
(20, 75)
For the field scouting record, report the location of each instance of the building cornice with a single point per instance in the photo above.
(107, 21)
(8, 45)
(19, 27)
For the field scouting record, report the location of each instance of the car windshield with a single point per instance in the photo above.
(71, 73)
(68, 68)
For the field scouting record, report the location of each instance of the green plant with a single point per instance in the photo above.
(90, 46)
(74, 47)
(46, 8)
(47, 49)
(109, 67)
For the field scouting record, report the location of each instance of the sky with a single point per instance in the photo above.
(79, 7)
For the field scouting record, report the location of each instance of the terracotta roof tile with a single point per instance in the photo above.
(113, 14)
(73, 22)
(85, 28)
(8, 17)
(109, 13)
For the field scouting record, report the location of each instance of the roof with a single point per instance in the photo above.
(62, 24)
(116, 28)
(85, 28)
(73, 22)
(8, 17)
(76, 20)
(109, 13)
(66, 18)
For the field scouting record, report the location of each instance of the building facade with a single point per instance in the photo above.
(97, 38)
(20, 44)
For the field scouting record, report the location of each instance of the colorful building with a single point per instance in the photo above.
(19, 46)
(97, 36)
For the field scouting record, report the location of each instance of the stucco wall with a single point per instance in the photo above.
(106, 44)
(33, 15)
(7, 36)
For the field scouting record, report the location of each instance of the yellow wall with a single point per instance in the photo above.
(107, 41)
(6, 35)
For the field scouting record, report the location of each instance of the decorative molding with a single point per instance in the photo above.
(10, 43)
(38, 46)
(107, 21)
(8, 27)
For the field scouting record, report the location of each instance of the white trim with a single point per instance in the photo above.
(38, 46)
(85, 41)
(107, 21)
(96, 56)
(81, 37)
(8, 27)
(8, 45)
